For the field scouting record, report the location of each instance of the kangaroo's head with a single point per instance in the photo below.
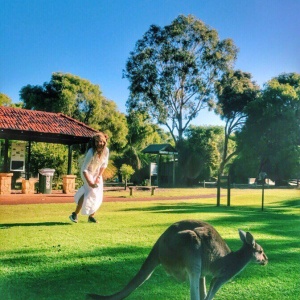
(258, 254)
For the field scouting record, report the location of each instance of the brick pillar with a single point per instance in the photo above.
(5, 183)
(69, 184)
(28, 186)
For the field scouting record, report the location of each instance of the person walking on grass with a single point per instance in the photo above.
(89, 196)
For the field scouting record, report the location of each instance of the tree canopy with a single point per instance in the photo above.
(202, 152)
(271, 136)
(172, 71)
(141, 133)
(4, 100)
(81, 100)
(235, 90)
(65, 93)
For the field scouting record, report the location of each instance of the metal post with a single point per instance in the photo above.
(173, 179)
(228, 190)
(263, 195)
(262, 176)
(150, 174)
(158, 157)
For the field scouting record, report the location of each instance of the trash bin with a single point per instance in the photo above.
(45, 180)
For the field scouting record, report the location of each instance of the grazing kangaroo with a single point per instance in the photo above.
(193, 249)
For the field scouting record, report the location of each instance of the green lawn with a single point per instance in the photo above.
(44, 256)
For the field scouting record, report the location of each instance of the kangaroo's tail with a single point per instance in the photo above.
(151, 262)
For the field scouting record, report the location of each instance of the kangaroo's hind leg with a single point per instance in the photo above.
(202, 288)
(193, 264)
(215, 285)
(194, 273)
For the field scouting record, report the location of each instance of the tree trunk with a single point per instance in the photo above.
(219, 190)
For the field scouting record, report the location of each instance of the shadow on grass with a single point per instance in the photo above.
(270, 221)
(175, 208)
(107, 270)
(290, 203)
(9, 225)
(70, 276)
(58, 273)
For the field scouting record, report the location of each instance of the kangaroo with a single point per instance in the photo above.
(192, 249)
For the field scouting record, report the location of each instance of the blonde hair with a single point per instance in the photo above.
(103, 136)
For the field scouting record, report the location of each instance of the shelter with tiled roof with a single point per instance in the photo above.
(39, 126)
(160, 149)
(165, 172)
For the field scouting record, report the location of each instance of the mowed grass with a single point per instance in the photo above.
(44, 256)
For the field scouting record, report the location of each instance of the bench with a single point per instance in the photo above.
(113, 188)
(252, 181)
(143, 188)
(208, 183)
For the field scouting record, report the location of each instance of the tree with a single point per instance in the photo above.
(235, 90)
(270, 138)
(65, 93)
(202, 152)
(5, 100)
(172, 71)
(126, 172)
(46, 155)
(81, 100)
(113, 123)
(141, 132)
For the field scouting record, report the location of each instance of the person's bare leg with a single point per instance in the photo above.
(79, 205)
(73, 216)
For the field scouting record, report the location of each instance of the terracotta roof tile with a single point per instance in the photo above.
(42, 122)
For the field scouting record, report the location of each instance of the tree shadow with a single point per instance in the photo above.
(290, 203)
(270, 221)
(55, 273)
(107, 270)
(175, 208)
(10, 225)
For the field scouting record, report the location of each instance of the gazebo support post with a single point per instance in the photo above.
(70, 149)
(69, 179)
(27, 173)
(6, 162)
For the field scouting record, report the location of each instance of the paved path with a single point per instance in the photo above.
(18, 198)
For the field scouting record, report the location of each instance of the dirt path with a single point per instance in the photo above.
(18, 198)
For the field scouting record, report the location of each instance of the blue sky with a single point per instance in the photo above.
(92, 39)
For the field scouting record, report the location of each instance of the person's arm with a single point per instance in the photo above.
(84, 169)
(90, 182)
(103, 167)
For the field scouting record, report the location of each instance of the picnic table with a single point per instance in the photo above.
(143, 188)
(115, 186)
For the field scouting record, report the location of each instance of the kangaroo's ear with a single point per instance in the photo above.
(242, 235)
(250, 239)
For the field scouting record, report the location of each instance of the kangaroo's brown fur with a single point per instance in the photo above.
(191, 250)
